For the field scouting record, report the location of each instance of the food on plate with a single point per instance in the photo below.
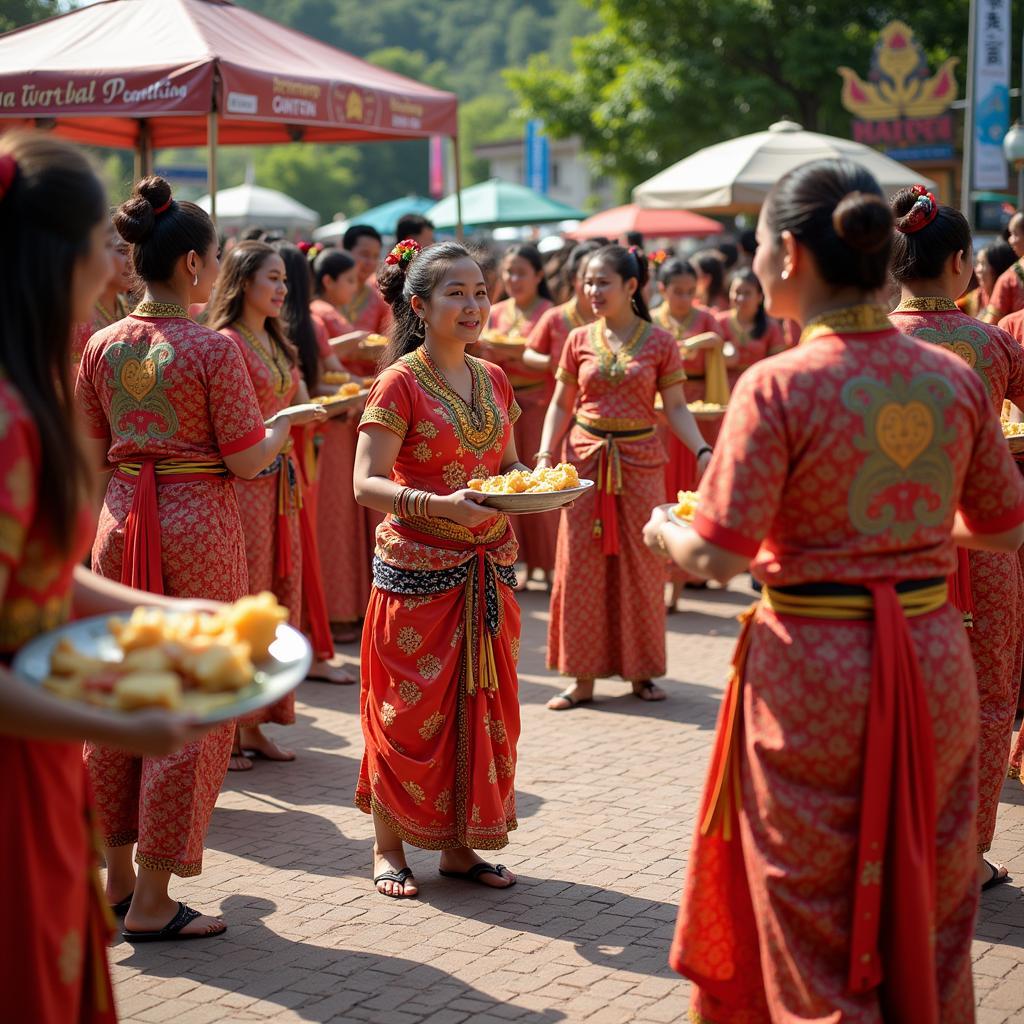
(336, 377)
(537, 481)
(1012, 429)
(705, 407)
(166, 655)
(374, 340)
(687, 504)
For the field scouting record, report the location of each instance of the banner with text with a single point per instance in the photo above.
(990, 93)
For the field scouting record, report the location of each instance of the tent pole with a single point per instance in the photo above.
(459, 232)
(211, 162)
(144, 151)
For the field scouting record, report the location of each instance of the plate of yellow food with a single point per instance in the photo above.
(706, 410)
(372, 344)
(537, 490)
(335, 378)
(683, 511)
(1014, 434)
(348, 393)
(213, 667)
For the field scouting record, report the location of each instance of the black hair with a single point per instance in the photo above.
(296, 317)
(412, 225)
(747, 276)
(357, 231)
(710, 262)
(47, 216)
(159, 240)
(627, 263)
(532, 255)
(330, 263)
(730, 254)
(1000, 256)
(579, 255)
(252, 233)
(675, 267)
(399, 282)
(836, 209)
(748, 241)
(920, 255)
(635, 238)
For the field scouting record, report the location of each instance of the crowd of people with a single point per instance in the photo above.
(162, 444)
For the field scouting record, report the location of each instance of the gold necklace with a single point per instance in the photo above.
(476, 414)
(677, 327)
(161, 310)
(927, 304)
(613, 363)
(271, 358)
(864, 318)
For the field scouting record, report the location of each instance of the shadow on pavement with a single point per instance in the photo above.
(256, 962)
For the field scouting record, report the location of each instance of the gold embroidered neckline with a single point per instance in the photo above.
(477, 422)
(161, 311)
(677, 328)
(865, 318)
(273, 359)
(613, 364)
(571, 312)
(357, 305)
(927, 304)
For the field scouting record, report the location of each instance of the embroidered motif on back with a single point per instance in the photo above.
(906, 480)
(139, 409)
(966, 341)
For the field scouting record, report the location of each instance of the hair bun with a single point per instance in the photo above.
(136, 217)
(391, 282)
(863, 221)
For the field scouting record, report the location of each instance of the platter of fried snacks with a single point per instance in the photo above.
(347, 394)
(539, 490)
(212, 667)
(374, 341)
(508, 342)
(706, 410)
(335, 378)
(683, 511)
(1014, 434)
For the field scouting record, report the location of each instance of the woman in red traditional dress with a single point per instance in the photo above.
(607, 604)
(833, 873)
(56, 261)
(439, 702)
(712, 292)
(366, 310)
(169, 405)
(752, 334)
(112, 305)
(529, 297)
(989, 263)
(932, 262)
(345, 528)
(246, 308)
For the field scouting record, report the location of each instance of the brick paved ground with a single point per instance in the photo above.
(607, 797)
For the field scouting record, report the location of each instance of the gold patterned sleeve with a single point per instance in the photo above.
(388, 404)
(565, 376)
(17, 480)
(514, 412)
(675, 377)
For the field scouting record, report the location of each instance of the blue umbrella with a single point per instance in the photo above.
(384, 217)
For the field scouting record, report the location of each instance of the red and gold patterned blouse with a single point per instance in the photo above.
(38, 594)
(445, 443)
(699, 321)
(160, 385)
(368, 311)
(551, 331)
(845, 458)
(507, 318)
(1007, 294)
(335, 323)
(990, 352)
(749, 349)
(274, 378)
(102, 317)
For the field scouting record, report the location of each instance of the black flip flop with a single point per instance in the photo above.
(996, 878)
(647, 686)
(574, 702)
(401, 877)
(474, 873)
(172, 930)
(121, 908)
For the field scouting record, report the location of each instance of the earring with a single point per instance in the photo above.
(195, 279)
(785, 275)
(421, 328)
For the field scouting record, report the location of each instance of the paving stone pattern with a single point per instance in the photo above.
(607, 798)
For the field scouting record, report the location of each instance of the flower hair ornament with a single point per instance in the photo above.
(921, 214)
(657, 257)
(404, 253)
(8, 172)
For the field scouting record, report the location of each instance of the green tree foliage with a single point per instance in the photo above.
(663, 78)
(15, 13)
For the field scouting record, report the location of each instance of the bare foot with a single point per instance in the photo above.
(238, 762)
(990, 875)
(581, 692)
(394, 861)
(644, 689)
(152, 919)
(253, 739)
(463, 859)
(332, 671)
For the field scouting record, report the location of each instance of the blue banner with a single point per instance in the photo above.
(537, 157)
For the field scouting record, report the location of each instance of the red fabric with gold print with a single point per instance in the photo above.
(53, 966)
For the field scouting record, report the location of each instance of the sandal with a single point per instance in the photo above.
(121, 908)
(391, 875)
(647, 692)
(474, 873)
(239, 762)
(172, 930)
(996, 878)
(573, 702)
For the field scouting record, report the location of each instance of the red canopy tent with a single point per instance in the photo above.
(148, 74)
(620, 220)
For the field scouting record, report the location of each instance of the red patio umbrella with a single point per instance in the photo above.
(620, 220)
(145, 74)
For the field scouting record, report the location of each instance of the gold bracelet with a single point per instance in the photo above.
(542, 455)
(662, 546)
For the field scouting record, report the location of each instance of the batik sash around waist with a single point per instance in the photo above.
(479, 575)
(895, 865)
(613, 433)
(141, 565)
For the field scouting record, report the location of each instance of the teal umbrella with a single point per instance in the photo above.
(498, 203)
(384, 217)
